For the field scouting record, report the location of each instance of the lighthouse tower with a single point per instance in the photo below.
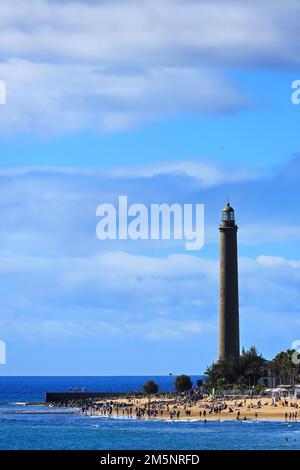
(229, 335)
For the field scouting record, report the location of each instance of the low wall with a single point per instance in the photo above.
(55, 397)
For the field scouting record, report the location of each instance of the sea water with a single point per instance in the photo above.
(39, 427)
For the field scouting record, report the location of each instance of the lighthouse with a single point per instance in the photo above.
(229, 334)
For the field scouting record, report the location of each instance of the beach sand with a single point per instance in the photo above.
(248, 408)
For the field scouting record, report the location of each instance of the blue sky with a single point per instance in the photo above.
(164, 101)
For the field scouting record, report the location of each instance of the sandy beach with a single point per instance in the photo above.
(209, 409)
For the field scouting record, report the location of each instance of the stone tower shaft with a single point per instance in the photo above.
(229, 336)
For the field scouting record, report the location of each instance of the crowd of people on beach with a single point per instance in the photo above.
(187, 406)
(175, 410)
(149, 410)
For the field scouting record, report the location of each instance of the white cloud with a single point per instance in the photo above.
(149, 330)
(258, 233)
(278, 261)
(59, 285)
(47, 97)
(116, 293)
(51, 211)
(109, 66)
(143, 32)
(127, 295)
(207, 174)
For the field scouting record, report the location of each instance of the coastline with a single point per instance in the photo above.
(183, 408)
(194, 420)
(71, 410)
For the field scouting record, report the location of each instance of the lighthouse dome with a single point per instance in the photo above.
(228, 208)
(228, 214)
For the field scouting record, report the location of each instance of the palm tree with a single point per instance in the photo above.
(214, 373)
(251, 364)
(283, 367)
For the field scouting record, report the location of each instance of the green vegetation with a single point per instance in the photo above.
(285, 371)
(183, 383)
(251, 368)
(150, 387)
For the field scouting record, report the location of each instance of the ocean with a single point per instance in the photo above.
(32, 389)
(38, 427)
